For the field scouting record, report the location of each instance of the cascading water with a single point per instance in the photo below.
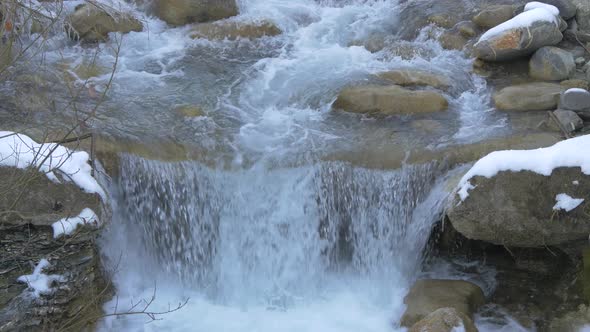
(267, 235)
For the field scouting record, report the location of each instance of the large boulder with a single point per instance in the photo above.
(528, 97)
(416, 77)
(429, 295)
(516, 37)
(495, 15)
(180, 12)
(233, 30)
(520, 209)
(583, 14)
(575, 99)
(92, 23)
(552, 64)
(389, 100)
(567, 8)
(444, 320)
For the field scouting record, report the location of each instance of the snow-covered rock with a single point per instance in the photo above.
(567, 8)
(537, 26)
(575, 100)
(67, 226)
(508, 197)
(40, 283)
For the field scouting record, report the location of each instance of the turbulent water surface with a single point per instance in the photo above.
(267, 230)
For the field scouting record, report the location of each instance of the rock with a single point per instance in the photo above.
(467, 29)
(528, 97)
(416, 77)
(580, 61)
(518, 41)
(569, 120)
(575, 83)
(572, 322)
(429, 295)
(575, 100)
(180, 12)
(444, 320)
(389, 100)
(442, 20)
(567, 8)
(190, 111)
(495, 15)
(552, 64)
(27, 237)
(515, 209)
(232, 30)
(583, 15)
(92, 23)
(452, 40)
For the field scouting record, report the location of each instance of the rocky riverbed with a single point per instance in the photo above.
(413, 164)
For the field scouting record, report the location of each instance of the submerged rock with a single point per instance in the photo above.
(495, 15)
(92, 23)
(416, 77)
(233, 30)
(528, 97)
(552, 64)
(444, 320)
(389, 100)
(428, 295)
(516, 209)
(179, 12)
(513, 39)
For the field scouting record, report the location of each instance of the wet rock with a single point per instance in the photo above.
(518, 41)
(569, 120)
(442, 20)
(92, 23)
(190, 111)
(373, 43)
(444, 320)
(575, 84)
(515, 209)
(429, 295)
(567, 8)
(575, 100)
(27, 237)
(572, 322)
(416, 77)
(233, 30)
(389, 100)
(180, 12)
(467, 29)
(452, 40)
(528, 97)
(552, 64)
(495, 15)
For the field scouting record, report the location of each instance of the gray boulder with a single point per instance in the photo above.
(569, 120)
(575, 100)
(495, 15)
(429, 295)
(528, 97)
(180, 12)
(518, 42)
(567, 8)
(444, 320)
(583, 14)
(516, 209)
(552, 64)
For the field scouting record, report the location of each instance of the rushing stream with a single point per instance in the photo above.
(266, 230)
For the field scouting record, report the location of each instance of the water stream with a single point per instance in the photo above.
(265, 231)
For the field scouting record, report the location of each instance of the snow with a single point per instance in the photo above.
(523, 20)
(576, 90)
(585, 328)
(66, 226)
(534, 5)
(566, 202)
(39, 282)
(568, 153)
(576, 182)
(18, 150)
(460, 328)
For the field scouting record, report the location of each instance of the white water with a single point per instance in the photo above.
(258, 244)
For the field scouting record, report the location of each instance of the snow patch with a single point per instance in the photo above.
(576, 182)
(568, 153)
(460, 328)
(523, 20)
(575, 90)
(38, 282)
(66, 226)
(566, 202)
(20, 151)
(535, 4)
